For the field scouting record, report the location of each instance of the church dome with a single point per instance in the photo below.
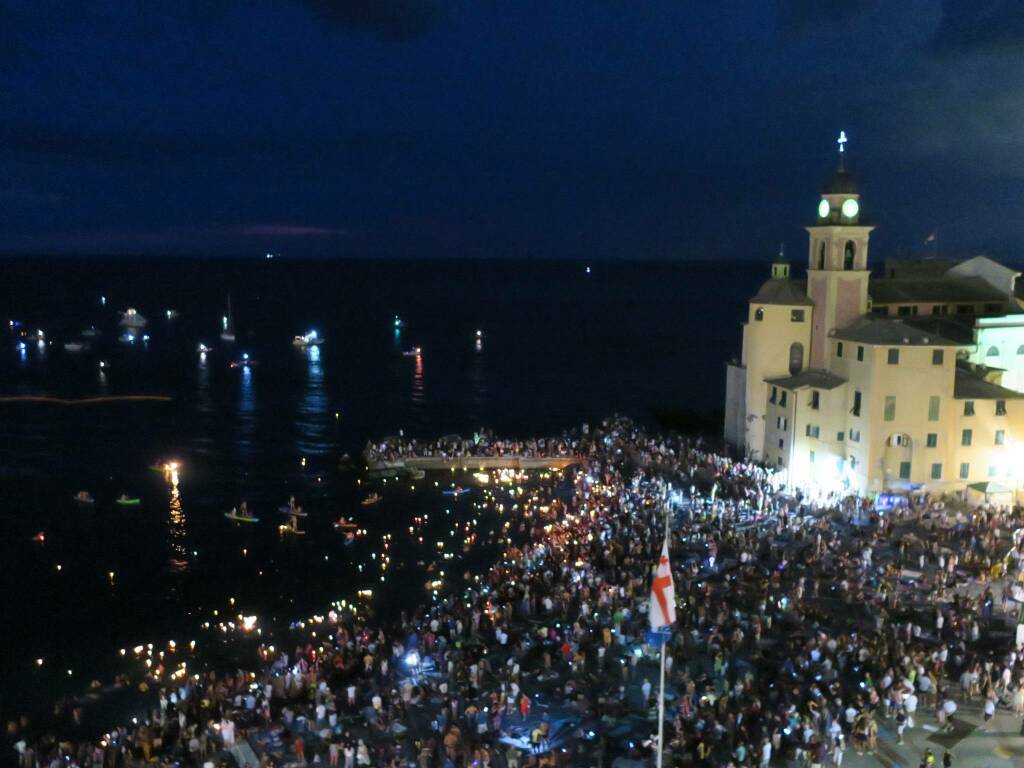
(840, 183)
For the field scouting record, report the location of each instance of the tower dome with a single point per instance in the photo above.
(840, 183)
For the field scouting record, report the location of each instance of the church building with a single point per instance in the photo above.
(905, 380)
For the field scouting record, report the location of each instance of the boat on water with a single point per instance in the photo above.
(287, 530)
(373, 498)
(416, 474)
(128, 501)
(172, 314)
(456, 491)
(83, 497)
(39, 336)
(75, 346)
(293, 511)
(240, 518)
(244, 362)
(343, 524)
(92, 332)
(227, 325)
(311, 339)
(399, 322)
(131, 318)
(128, 337)
(202, 349)
(414, 352)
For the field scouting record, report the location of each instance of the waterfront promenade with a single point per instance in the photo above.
(475, 463)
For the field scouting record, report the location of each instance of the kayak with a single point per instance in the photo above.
(131, 502)
(454, 491)
(84, 499)
(287, 511)
(346, 526)
(240, 518)
(287, 529)
(371, 500)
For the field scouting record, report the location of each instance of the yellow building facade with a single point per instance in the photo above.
(908, 380)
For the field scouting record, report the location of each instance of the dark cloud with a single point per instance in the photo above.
(979, 26)
(804, 16)
(388, 19)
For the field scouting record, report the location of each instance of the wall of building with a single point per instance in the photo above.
(766, 347)
(1006, 335)
(735, 404)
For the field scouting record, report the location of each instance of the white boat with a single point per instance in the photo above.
(172, 314)
(75, 346)
(310, 339)
(202, 349)
(128, 337)
(227, 325)
(38, 336)
(131, 319)
(414, 352)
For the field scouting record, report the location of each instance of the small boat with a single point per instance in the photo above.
(128, 501)
(40, 538)
(373, 498)
(172, 314)
(38, 336)
(227, 323)
(128, 337)
(289, 531)
(233, 515)
(83, 497)
(399, 322)
(416, 474)
(457, 491)
(131, 318)
(345, 525)
(297, 512)
(244, 362)
(75, 346)
(311, 339)
(414, 352)
(202, 349)
(92, 332)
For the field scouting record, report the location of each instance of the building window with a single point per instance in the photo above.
(780, 462)
(856, 404)
(781, 443)
(860, 354)
(968, 407)
(992, 470)
(890, 408)
(932, 440)
(907, 310)
(933, 408)
(1000, 407)
(894, 357)
(966, 437)
(992, 352)
(848, 254)
(812, 457)
(854, 435)
(965, 470)
(821, 256)
(1000, 437)
(940, 309)
(936, 471)
(796, 315)
(759, 314)
(782, 399)
(796, 358)
(775, 394)
(937, 356)
(815, 399)
(813, 431)
(904, 470)
(839, 349)
(1020, 349)
(840, 437)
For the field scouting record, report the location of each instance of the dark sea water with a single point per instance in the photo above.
(559, 347)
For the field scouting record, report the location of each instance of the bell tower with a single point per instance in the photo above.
(837, 261)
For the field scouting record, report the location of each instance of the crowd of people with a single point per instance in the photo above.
(482, 444)
(803, 629)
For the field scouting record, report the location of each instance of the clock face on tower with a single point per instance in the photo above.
(850, 208)
(823, 209)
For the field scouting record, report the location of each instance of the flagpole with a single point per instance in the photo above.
(661, 687)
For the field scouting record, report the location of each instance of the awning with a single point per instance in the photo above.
(989, 487)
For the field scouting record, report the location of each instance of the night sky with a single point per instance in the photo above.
(589, 129)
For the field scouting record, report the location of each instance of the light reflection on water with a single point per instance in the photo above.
(313, 424)
(246, 413)
(418, 396)
(177, 530)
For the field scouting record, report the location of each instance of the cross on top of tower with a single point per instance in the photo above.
(841, 141)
